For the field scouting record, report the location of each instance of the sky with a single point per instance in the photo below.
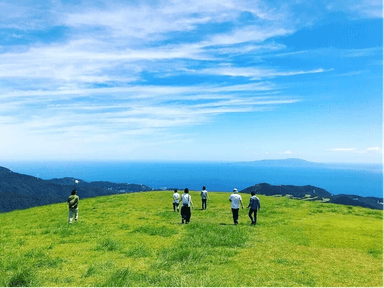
(191, 80)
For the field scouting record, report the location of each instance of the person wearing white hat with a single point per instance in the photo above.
(236, 200)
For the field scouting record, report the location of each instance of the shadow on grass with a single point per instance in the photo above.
(109, 245)
(213, 235)
(138, 252)
(158, 231)
(23, 278)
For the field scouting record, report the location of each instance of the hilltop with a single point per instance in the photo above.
(136, 240)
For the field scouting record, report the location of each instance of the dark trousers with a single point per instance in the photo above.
(175, 205)
(255, 215)
(235, 214)
(185, 214)
(203, 204)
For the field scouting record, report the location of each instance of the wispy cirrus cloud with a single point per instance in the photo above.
(255, 73)
(358, 8)
(128, 71)
(135, 107)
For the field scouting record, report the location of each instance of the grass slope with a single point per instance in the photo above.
(136, 240)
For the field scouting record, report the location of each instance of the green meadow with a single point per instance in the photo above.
(137, 240)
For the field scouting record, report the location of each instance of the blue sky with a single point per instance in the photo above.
(191, 81)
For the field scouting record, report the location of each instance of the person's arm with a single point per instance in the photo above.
(241, 201)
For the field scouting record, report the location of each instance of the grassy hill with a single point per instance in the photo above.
(136, 240)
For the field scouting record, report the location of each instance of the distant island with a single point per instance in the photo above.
(20, 191)
(282, 162)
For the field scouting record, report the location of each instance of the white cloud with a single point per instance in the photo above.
(255, 73)
(374, 149)
(355, 150)
(342, 149)
(358, 8)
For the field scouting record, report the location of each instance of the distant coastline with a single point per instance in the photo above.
(20, 191)
(364, 180)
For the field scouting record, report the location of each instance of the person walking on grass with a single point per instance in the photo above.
(186, 208)
(73, 202)
(204, 198)
(236, 200)
(254, 206)
(176, 199)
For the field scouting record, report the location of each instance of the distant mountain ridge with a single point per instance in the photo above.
(119, 187)
(312, 193)
(19, 191)
(282, 162)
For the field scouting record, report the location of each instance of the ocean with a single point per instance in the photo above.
(354, 180)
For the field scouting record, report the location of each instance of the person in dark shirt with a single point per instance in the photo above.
(73, 202)
(254, 205)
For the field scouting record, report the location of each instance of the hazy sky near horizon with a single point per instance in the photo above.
(191, 80)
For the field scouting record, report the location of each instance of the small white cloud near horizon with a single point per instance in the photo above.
(355, 150)
(287, 152)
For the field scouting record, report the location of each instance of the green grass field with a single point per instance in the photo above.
(137, 240)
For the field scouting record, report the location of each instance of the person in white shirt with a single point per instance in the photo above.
(204, 198)
(236, 200)
(176, 199)
(186, 208)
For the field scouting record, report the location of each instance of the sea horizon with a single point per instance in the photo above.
(337, 178)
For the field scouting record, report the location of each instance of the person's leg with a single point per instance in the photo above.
(70, 216)
(182, 214)
(237, 215)
(255, 217)
(188, 214)
(202, 204)
(233, 215)
(174, 207)
(76, 214)
(250, 214)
